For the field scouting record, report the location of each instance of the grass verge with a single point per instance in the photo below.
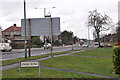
(44, 73)
(100, 66)
(12, 61)
(100, 52)
(83, 64)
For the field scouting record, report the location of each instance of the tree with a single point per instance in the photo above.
(66, 37)
(98, 22)
(36, 41)
(75, 39)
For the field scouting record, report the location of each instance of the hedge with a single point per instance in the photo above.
(116, 59)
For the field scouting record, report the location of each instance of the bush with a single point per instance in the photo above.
(37, 41)
(116, 59)
(17, 46)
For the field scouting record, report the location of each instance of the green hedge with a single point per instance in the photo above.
(116, 59)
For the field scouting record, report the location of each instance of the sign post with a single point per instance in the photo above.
(30, 64)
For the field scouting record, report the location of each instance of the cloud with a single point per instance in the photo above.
(73, 12)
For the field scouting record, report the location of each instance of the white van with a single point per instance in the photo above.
(5, 47)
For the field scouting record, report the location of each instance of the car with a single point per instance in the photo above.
(47, 45)
(96, 43)
(85, 45)
(5, 47)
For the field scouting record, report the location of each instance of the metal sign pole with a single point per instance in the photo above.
(20, 69)
(39, 70)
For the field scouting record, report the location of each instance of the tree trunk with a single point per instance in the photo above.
(98, 39)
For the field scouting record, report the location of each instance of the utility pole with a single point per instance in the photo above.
(29, 37)
(44, 12)
(51, 30)
(88, 37)
(25, 46)
(51, 34)
(72, 42)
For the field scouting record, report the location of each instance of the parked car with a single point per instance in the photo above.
(5, 47)
(47, 45)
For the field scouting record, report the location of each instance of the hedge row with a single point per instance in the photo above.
(116, 59)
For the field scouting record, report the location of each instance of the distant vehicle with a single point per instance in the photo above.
(5, 47)
(96, 43)
(84, 45)
(47, 45)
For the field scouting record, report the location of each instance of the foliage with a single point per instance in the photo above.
(36, 41)
(17, 46)
(98, 22)
(75, 39)
(66, 37)
(116, 59)
(57, 43)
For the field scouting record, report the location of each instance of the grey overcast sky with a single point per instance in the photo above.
(73, 13)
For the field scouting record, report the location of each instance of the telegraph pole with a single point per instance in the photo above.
(29, 37)
(51, 35)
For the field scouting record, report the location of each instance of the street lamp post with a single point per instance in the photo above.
(51, 34)
(88, 37)
(44, 10)
(72, 42)
(25, 29)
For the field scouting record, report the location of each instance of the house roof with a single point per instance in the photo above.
(12, 28)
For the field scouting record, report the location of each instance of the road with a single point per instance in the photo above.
(17, 54)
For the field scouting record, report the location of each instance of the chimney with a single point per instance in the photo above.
(14, 25)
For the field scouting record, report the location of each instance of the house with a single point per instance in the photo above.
(2, 39)
(13, 33)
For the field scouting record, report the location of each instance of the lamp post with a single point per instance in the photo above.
(88, 37)
(25, 46)
(51, 33)
(44, 10)
(72, 42)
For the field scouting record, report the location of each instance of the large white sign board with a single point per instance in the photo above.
(41, 26)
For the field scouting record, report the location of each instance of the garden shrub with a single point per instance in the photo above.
(116, 59)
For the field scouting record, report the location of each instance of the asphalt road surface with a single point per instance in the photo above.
(18, 54)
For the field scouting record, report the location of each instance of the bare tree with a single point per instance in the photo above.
(99, 22)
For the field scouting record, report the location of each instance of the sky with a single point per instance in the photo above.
(73, 13)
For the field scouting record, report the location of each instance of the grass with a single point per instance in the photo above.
(12, 61)
(84, 64)
(100, 52)
(101, 66)
(44, 73)
(112, 43)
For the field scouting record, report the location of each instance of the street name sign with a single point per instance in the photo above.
(29, 64)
